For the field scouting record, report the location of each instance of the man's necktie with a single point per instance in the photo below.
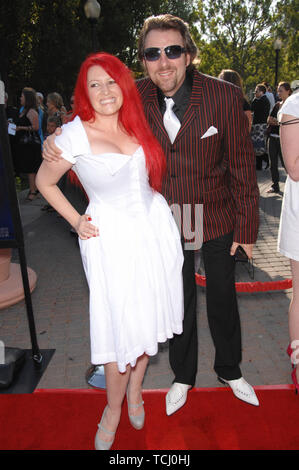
(171, 122)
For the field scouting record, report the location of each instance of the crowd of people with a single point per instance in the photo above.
(30, 124)
(263, 124)
(265, 129)
(27, 143)
(176, 137)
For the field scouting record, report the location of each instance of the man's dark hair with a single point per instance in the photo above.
(261, 87)
(30, 98)
(166, 22)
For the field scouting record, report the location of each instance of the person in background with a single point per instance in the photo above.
(70, 184)
(40, 100)
(28, 144)
(295, 86)
(68, 116)
(10, 111)
(57, 109)
(233, 77)
(55, 106)
(260, 107)
(288, 235)
(283, 91)
(42, 116)
(12, 117)
(52, 123)
(269, 95)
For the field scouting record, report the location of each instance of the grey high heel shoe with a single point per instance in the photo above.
(136, 421)
(99, 443)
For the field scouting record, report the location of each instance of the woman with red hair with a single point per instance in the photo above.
(129, 242)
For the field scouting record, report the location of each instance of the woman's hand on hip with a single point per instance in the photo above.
(85, 228)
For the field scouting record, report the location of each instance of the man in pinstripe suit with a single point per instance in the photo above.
(210, 162)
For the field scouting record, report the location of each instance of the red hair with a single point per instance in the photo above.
(131, 114)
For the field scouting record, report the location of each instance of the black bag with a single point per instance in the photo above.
(242, 257)
(13, 360)
(30, 137)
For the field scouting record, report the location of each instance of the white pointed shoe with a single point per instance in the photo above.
(176, 397)
(242, 390)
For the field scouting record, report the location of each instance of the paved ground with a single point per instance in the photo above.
(60, 303)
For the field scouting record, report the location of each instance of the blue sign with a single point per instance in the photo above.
(6, 223)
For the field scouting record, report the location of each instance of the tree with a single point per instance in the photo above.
(14, 17)
(231, 32)
(61, 42)
(43, 42)
(286, 27)
(120, 23)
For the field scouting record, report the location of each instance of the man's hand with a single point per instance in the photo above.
(246, 247)
(51, 153)
(272, 121)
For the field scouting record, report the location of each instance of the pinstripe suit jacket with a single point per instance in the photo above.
(217, 171)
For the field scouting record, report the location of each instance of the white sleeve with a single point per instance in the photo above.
(64, 142)
(290, 106)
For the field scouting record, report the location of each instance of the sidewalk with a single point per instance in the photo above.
(60, 303)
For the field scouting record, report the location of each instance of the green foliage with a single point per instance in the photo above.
(240, 34)
(286, 26)
(43, 42)
(121, 21)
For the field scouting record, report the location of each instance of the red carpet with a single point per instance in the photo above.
(212, 419)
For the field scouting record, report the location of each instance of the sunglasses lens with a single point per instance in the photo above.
(152, 53)
(173, 52)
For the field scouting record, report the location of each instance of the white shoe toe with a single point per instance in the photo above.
(176, 397)
(242, 390)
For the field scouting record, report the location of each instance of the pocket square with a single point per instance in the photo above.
(211, 131)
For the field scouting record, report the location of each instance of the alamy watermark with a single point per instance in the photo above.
(183, 220)
(2, 352)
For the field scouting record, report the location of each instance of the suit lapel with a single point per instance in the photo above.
(193, 110)
(153, 112)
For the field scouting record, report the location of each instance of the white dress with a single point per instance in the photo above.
(134, 267)
(288, 235)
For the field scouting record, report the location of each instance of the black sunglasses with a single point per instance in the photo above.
(172, 52)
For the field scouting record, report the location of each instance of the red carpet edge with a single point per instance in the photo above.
(212, 419)
(255, 286)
